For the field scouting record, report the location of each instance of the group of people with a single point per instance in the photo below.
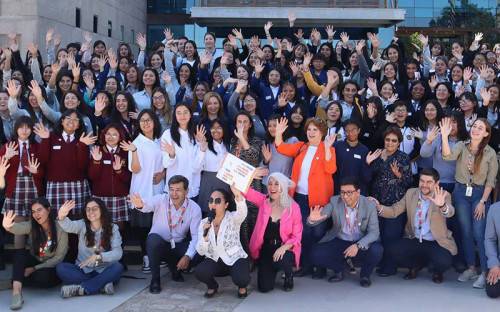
(364, 157)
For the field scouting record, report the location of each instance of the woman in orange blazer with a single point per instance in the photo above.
(312, 172)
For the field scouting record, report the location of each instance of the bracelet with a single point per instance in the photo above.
(134, 150)
(75, 82)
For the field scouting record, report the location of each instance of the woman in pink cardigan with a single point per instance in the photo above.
(276, 238)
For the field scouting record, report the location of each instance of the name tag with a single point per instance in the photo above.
(268, 97)
(57, 147)
(107, 162)
(357, 156)
(409, 113)
(366, 135)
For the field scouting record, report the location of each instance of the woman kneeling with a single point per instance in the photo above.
(99, 249)
(219, 242)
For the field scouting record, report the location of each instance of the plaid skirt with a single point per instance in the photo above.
(118, 208)
(24, 193)
(60, 192)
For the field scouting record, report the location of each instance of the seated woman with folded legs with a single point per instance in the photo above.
(99, 249)
(49, 244)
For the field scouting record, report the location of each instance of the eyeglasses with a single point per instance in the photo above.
(92, 209)
(249, 101)
(430, 110)
(216, 129)
(400, 110)
(391, 140)
(464, 101)
(69, 119)
(419, 89)
(348, 193)
(441, 90)
(145, 121)
(351, 131)
(215, 200)
(158, 98)
(109, 135)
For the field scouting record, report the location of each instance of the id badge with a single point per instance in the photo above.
(468, 191)
(172, 243)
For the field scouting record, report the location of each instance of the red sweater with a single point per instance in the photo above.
(64, 162)
(11, 174)
(108, 182)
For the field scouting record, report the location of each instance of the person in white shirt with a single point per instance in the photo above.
(175, 216)
(212, 151)
(220, 243)
(179, 149)
(145, 163)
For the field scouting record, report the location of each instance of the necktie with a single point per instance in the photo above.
(24, 159)
(68, 139)
(112, 151)
(455, 86)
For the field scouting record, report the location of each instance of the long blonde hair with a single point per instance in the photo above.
(285, 201)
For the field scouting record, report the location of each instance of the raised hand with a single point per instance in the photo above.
(291, 18)
(424, 40)
(372, 85)
(133, 115)
(395, 170)
(41, 131)
(478, 37)
(393, 98)
(71, 60)
(33, 165)
(9, 220)
(168, 147)
(307, 59)
(417, 133)
(65, 209)
(433, 82)
(13, 89)
(238, 34)
(391, 117)
(439, 196)
(33, 49)
(373, 155)
(371, 110)
(96, 153)
(300, 34)
(315, 214)
(329, 140)
(258, 67)
(282, 100)
(200, 133)
(168, 34)
(359, 46)
(88, 139)
(431, 61)
(376, 66)
(136, 200)
(268, 26)
(281, 126)
(128, 146)
(345, 38)
(87, 36)
(205, 59)
(117, 163)
(267, 153)
(238, 132)
(467, 74)
(261, 172)
(374, 40)
(11, 149)
(241, 84)
(485, 95)
(4, 165)
(236, 192)
(432, 134)
(259, 53)
(158, 177)
(294, 67)
(49, 36)
(89, 82)
(330, 32)
(75, 70)
(445, 126)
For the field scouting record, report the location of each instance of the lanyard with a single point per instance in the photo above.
(97, 249)
(124, 125)
(44, 249)
(239, 147)
(348, 220)
(419, 214)
(180, 217)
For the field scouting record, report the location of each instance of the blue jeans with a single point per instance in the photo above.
(471, 228)
(92, 282)
(391, 230)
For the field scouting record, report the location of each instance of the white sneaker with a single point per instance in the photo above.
(480, 282)
(108, 289)
(71, 291)
(467, 275)
(146, 269)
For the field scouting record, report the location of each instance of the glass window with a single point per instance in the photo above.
(168, 6)
(94, 28)
(155, 33)
(122, 33)
(110, 29)
(77, 18)
(425, 3)
(427, 12)
(132, 36)
(406, 3)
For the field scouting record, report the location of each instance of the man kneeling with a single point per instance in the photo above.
(353, 234)
(426, 239)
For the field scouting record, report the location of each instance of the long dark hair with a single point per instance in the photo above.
(228, 198)
(251, 130)
(462, 133)
(268, 138)
(174, 129)
(116, 116)
(39, 237)
(24, 121)
(191, 81)
(107, 226)
(424, 123)
(484, 142)
(82, 107)
(226, 137)
(156, 122)
(142, 86)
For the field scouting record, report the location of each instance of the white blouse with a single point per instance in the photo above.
(208, 161)
(183, 161)
(150, 160)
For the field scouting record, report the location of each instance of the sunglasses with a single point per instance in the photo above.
(391, 140)
(215, 200)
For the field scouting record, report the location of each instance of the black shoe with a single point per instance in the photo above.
(242, 295)
(336, 277)
(303, 271)
(155, 287)
(319, 273)
(352, 269)
(365, 282)
(288, 284)
(177, 276)
(211, 295)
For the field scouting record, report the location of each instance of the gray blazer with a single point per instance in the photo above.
(492, 236)
(367, 214)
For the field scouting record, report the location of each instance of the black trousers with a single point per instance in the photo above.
(208, 269)
(493, 291)
(331, 255)
(268, 268)
(161, 250)
(44, 278)
(411, 253)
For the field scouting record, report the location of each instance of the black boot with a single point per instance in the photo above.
(2, 264)
(288, 284)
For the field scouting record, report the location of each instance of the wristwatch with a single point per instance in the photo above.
(360, 247)
(482, 201)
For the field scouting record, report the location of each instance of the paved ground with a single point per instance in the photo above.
(386, 294)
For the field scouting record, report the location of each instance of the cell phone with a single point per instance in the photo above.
(417, 75)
